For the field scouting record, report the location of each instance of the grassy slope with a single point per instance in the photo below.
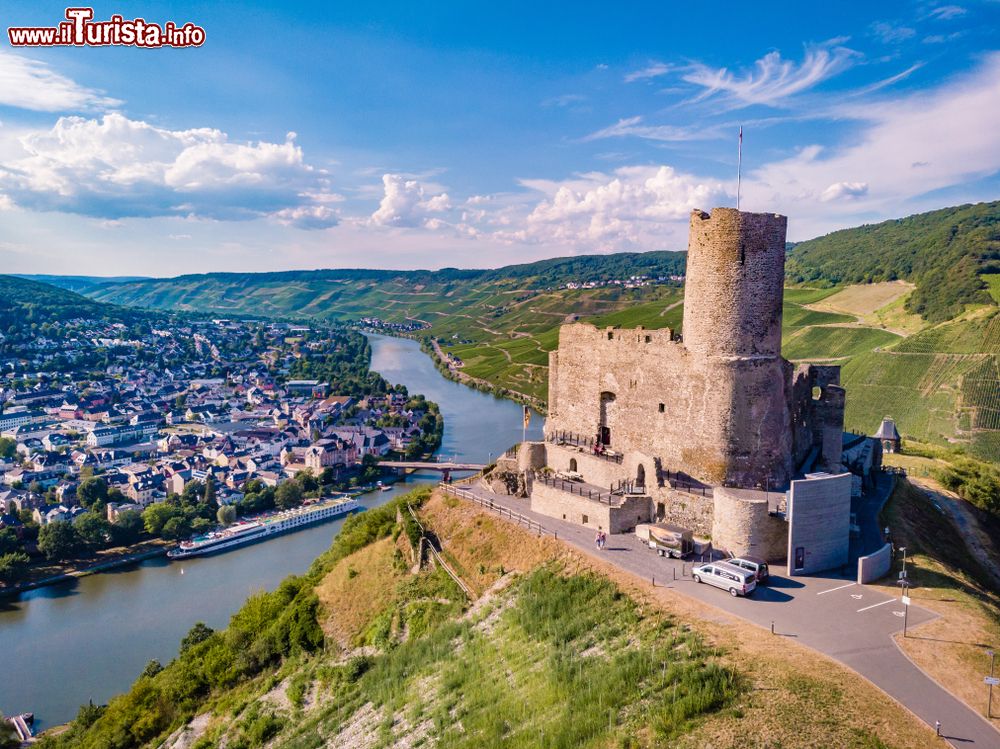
(948, 579)
(558, 651)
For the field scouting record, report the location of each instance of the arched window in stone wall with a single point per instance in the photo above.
(572, 464)
(604, 426)
(640, 476)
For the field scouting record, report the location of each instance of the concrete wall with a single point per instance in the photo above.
(555, 503)
(819, 522)
(875, 566)
(742, 525)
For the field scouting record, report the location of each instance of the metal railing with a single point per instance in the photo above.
(503, 512)
(574, 487)
(578, 440)
(425, 541)
(684, 483)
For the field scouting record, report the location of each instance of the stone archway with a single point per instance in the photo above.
(640, 477)
(572, 465)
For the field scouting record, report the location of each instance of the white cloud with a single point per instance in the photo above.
(408, 202)
(948, 12)
(632, 207)
(844, 190)
(772, 80)
(891, 33)
(30, 84)
(907, 148)
(116, 168)
(632, 126)
(653, 70)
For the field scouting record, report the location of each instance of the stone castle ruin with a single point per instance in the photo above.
(712, 430)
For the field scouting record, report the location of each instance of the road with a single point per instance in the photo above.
(832, 614)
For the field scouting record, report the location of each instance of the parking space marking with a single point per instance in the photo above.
(891, 600)
(839, 587)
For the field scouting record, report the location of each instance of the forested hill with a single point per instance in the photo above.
(944, 252)
(24, 302)
(355, 292)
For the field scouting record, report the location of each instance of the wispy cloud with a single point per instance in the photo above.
(653, 70)
(891, 33)
(948, 12)
(772, 79)
(565, 100)
(633, 126)
(891, 80)
(30, 84)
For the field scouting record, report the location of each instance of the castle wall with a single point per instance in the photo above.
(691, 511)
(742, 525)
(719, 420)
(734, 283)
(555, 503)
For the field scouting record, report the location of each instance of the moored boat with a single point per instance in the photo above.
(262, 526)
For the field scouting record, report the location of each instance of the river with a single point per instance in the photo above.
(88, 639)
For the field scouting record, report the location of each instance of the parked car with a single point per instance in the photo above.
(756, 565)
(738, 581)
(667, 540)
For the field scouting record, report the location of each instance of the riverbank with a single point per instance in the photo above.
(441, 361)
(109, 559)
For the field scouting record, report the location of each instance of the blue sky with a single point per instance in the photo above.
(408, 135)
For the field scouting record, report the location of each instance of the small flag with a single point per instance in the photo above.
(527, 417)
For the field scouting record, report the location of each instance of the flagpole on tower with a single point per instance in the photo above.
(739, 169)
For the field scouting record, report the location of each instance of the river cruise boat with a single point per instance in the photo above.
(262, 526)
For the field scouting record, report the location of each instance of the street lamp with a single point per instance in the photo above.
(903, 549)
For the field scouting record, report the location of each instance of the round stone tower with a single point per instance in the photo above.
(732, 328)
(734, 283)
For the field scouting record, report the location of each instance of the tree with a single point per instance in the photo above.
(127, 527)
(92, 491)
(59, 540)
(176, 528)
(156, 516)
(209, 496)
(9, 541)
(152, 669)
(13, 566)
(8, 448)
(288, 495)
(197, 634)
(226, 514)
(94, 530)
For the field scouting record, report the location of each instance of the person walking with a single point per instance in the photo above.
(597, 540)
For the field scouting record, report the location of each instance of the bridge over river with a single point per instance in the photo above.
(445, 467)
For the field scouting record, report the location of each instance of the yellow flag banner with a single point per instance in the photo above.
(527, 417)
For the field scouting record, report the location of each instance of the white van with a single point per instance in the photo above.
(738, 581)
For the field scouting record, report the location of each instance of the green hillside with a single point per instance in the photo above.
(25, 303)
(943, 252)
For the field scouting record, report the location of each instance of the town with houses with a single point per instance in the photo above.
(190, 404)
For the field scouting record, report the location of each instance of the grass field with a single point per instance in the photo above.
(862, 300)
